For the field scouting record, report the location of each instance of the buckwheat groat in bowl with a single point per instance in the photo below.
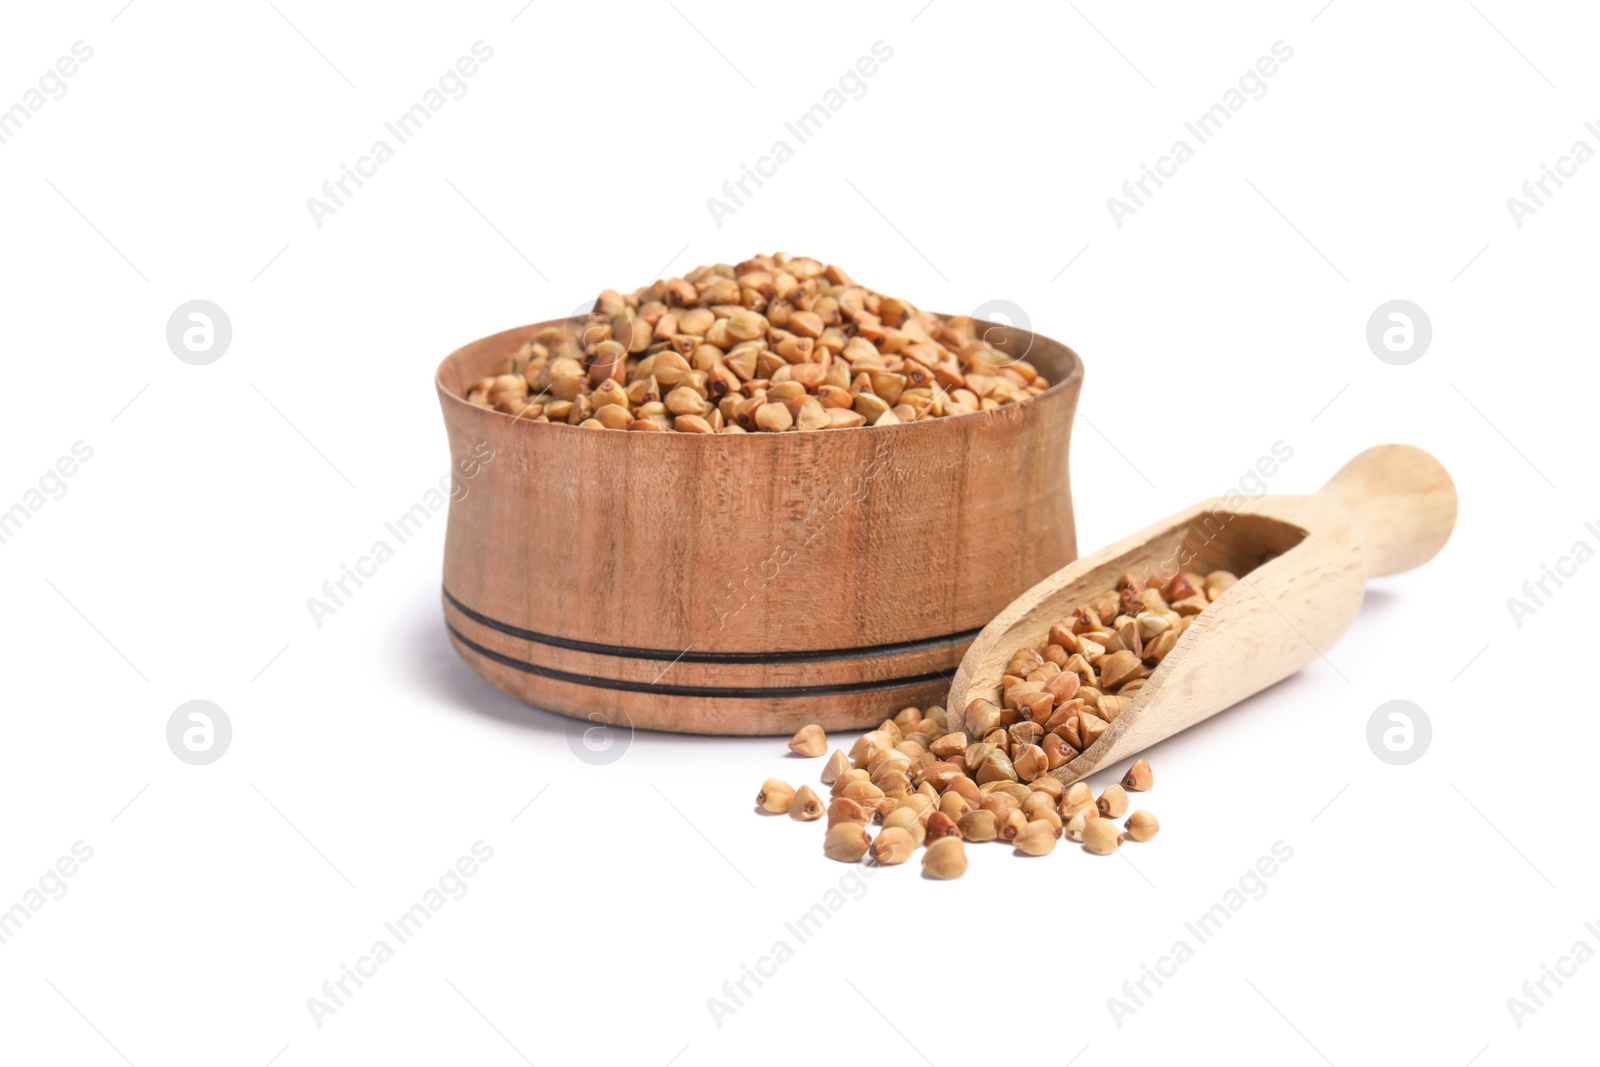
(753, 497)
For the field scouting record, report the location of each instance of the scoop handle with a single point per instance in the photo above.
(1401, 502)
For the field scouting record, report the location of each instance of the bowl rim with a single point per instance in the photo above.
(1073, 378)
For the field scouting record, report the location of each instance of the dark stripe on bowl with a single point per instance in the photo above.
(930, 644)
(727, 692)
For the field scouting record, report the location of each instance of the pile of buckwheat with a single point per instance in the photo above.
(928, 781)
(772, 344)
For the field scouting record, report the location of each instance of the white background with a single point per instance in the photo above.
(1227, 314)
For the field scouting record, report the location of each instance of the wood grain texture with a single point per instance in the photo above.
(1302, 562)
(1402, 503)
(903, 541)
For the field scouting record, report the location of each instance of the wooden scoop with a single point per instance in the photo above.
(1302, 564)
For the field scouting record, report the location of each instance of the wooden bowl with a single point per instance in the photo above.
(746, 584)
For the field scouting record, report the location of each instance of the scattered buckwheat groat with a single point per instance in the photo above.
(1113, 802)
(1138, 779)
(1038, 838)
(893, 845)
(1101, 837)
(945, 859)
(843, 810)
(1142, 826)
(806, 805)
(775, 796)
(809, 741)
(775, 344)
(846, 842)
